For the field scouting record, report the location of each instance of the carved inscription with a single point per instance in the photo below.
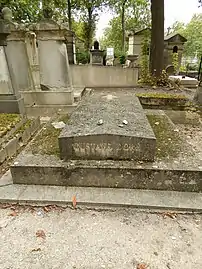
(97, 59)
(104, 149)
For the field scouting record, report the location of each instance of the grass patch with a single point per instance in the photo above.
(26, 125)
(169, 142)
(162, 95)
(46, 142)
(7, 122)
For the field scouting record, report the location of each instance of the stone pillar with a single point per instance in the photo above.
(33, 57)
(10, 99)
(198, 96)
(70, 43)
(53, 59)
(131, 43)
(18, 58)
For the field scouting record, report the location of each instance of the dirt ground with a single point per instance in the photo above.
(91, 239)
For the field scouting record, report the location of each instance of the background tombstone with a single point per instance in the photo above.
(10, 99)
(173, 43)
(96, 55)
(17, 58)
(110, 56)
(53, 58)
(136, 40)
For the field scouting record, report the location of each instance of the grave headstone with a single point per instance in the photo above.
(108, 126)
(17, 56)
(110, 56)
(53, 58)
(96, 55)
(10, 99)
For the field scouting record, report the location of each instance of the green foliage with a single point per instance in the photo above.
(159, 81)
(137, 16)
(175, 62)
(89, 14)
(23, 10)
(122, 59)
(192, 32)
(144, 64)
(192, 67)
(84, 30)
(83, 57)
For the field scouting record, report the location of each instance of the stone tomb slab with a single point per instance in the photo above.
(108, 125)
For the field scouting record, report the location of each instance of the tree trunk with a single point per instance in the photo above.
(157, 37)
(90, 26)
(123, 24)
(69, 7)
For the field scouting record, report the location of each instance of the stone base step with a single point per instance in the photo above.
(101, 197)
(12, 105)
(50, 170)
(49, 110)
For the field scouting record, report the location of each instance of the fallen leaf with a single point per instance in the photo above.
(36, 249)
(74, 201)
(41, 233)
(13, 214)
(142, 266)
(171, 215)
(46, 209)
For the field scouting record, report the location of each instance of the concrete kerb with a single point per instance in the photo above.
(100, 197)
(50, 170)
(13, 130)
(14, 144)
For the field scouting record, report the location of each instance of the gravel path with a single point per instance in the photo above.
(90, 239)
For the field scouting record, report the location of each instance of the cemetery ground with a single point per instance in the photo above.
(54, 237)
(61, 211)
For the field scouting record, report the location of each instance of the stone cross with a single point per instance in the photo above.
(168, 29)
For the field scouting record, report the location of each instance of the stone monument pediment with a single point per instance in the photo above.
(175, 38)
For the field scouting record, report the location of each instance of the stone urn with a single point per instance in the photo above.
(132, 59)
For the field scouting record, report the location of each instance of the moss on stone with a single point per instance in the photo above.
(46, 142)
(169, 142)
(7, 122)
(26, 125)
(161, 95)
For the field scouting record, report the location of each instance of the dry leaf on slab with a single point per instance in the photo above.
(142, 266)
(74, 202)
(41, 234)
(36, 250)
(47, 209)
(13, 214)
(171, 215)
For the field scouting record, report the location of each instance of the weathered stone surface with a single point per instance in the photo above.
(49, 170)
(11, 104)
(91, 197)
(84, 138)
